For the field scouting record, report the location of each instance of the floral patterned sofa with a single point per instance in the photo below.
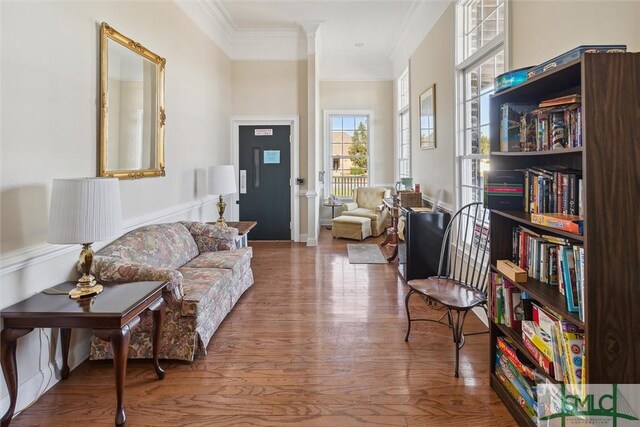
(206, 274)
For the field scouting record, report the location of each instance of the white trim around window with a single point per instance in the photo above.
(327, 145)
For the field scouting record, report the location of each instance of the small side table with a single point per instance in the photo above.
(333, 207)
(111, 314)
(244, 227)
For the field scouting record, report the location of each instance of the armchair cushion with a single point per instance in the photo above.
(370, 197)
(363, 213)
(349, 206)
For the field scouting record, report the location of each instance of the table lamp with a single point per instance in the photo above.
(84, 210)
(221, 181)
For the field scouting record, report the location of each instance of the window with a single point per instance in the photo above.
(404, 126)
(348, 147)
(480, 26)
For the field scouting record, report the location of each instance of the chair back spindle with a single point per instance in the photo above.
(465, 249)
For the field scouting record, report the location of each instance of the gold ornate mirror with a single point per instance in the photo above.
(132, 113)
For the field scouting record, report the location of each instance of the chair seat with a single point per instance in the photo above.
(449, 292)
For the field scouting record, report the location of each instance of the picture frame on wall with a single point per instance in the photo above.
(428, 118)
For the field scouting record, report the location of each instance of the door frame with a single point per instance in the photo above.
(269, 120)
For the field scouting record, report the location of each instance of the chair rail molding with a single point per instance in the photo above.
(33, 255)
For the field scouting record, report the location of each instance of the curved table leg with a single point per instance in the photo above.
(158, 318)
(9, 337)
(119, 339)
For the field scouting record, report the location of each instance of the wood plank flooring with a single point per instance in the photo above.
(315, 342)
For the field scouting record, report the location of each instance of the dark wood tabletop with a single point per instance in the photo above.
(111, 315)
(243, 226)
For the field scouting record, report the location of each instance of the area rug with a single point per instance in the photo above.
(365, 253)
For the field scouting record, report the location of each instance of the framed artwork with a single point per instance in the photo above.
(428, 118)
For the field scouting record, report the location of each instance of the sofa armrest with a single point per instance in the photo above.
(116, 270)
(379, 208)
(350, 206)
(212, 238)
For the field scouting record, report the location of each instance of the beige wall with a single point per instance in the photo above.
(363, 95)
(432, 63)
(49, 99)
(274, 88)
(568, 24)
(540, 30)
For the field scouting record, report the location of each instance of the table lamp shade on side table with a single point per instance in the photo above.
(221, 181)
(83, 211)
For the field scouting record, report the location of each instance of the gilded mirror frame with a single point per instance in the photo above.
(109, 33)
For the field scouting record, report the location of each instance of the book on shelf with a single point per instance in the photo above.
(513, 126)
(564, 222)
(569, 278)
(504, 190)
(561, 100)
(522, 364)
(527, 334)
(522, 402)
(524, 386)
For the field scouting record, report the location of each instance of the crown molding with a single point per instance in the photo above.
(243, 44)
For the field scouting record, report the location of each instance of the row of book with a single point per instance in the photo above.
(553, 189)
(556, 345)
(551, 125)
(554, 260)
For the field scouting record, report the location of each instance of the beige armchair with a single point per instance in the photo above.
(367, 203)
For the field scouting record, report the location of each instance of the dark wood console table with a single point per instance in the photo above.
(111, 314)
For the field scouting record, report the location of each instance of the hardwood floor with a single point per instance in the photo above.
(316, 341)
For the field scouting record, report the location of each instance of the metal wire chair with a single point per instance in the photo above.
(461, 283)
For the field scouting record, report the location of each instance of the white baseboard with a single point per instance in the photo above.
(30, 390)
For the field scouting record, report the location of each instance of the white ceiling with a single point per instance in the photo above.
(389, 31)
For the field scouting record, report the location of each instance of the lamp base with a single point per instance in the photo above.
(84, 291)
(221, 205)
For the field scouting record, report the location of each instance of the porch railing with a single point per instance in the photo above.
(344, 185)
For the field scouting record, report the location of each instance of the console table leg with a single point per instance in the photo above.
(65, 340)
(8, 340)
(119, 339)
(158, 318)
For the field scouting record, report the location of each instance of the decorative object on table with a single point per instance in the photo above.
(510, 79)
(407, 183)
(416, 187)
(365, 253)
(84, 210)
(572, 55)
(428, 118)
(221, 181)
(410, 198)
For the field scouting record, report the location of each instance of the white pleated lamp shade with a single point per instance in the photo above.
(84, 210)
(221, 180)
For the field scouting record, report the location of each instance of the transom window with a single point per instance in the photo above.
(480, 27)
(348, 153)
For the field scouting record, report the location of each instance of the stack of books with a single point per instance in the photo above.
(554, 260)
(551, 125)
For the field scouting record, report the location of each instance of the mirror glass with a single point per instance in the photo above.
(132, 119)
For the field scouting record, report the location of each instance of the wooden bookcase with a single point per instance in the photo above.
(610, 162)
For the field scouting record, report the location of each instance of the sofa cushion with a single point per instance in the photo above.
(362, 213)
(205, 290)
(232, 260)
(212, 237)
(157, 245)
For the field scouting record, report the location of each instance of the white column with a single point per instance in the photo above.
(313, 132)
